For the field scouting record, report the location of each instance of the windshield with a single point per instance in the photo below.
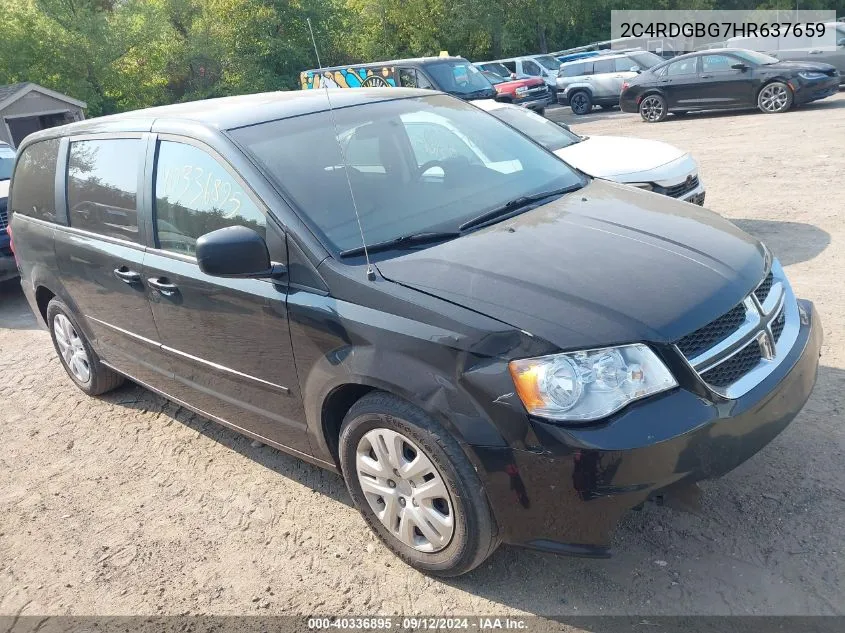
(548, 61)
(416, 165)
(756, 58)
(492, 77)
(547, 133)
(7, 160)
(645, 59)
(499, 69)
(459, 78)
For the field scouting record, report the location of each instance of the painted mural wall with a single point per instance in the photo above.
(377, 77)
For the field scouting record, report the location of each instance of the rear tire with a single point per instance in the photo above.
(580, 102)
(78, 358)
(397, 452)
(653, 108)
(775, 97)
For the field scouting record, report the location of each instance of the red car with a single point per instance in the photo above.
(530, 92)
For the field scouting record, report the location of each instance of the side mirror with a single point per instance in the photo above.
(740, 66)
(636, 69)
(235, 251)
(513, 75)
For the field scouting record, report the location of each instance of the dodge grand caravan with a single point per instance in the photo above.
(521, 355)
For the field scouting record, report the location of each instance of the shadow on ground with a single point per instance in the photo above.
(791, 242)
(14, 309)
(737, 556)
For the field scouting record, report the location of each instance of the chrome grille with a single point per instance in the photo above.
(736, 351)
(762, 291)
(735, 367)
(676, 191)
(715, 331)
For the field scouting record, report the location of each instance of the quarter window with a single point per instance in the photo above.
(194, 195)
(34, 184)
(102, 186)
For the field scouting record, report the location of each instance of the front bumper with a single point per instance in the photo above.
(813, 90)
(568, 495)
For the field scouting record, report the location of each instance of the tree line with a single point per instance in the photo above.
(125, 54)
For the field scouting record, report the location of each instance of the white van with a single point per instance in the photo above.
(544, 66)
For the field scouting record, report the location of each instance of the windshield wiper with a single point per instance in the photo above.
(523, 203)
(403, 241)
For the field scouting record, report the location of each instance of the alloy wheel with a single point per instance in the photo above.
(71, 348)
(579, 103)
(774, 97)
(651, 108)
(405, 490)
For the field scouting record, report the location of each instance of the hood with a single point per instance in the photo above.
(4, 188)
(608, 156)
(604, 265)
(518, 83)
(798, 65)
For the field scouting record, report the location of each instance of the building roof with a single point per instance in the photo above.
(10, 93)
(227, 113)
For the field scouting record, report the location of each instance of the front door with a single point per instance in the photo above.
(723, 86)
(101, 256)
(227, 340)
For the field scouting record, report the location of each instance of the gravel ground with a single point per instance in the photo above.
(128, 504)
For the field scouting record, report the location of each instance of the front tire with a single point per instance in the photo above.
(581, 102)
(77, 356)
(653, 108)
(775, 97)
(415, 487)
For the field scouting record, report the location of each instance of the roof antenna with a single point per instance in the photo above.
(371, 274)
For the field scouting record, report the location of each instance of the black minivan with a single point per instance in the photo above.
(522, 354)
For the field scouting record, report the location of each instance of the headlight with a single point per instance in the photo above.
(588, 385)
(642, 185)
(811, 75)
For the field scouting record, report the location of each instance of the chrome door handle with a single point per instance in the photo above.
(127, 276)
(163, 286)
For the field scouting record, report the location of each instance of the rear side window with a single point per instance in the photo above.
(196, 195)
(573, 70)
(102, 186)
(34, 184)
(511, 66)
(603, 66)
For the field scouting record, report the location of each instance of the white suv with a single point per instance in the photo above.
(583, 83)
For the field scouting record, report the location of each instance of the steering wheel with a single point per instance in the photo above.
(429, 165)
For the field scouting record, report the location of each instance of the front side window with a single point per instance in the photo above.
(530, 68)
(717, 63)
(573, 70)
(34, 186)
(415, 165)
(102, 186)
(194, 195)
(682, 67)
(603, 66)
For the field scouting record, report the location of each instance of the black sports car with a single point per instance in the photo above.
(726, 78)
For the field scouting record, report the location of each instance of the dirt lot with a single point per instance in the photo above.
(131, 505)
